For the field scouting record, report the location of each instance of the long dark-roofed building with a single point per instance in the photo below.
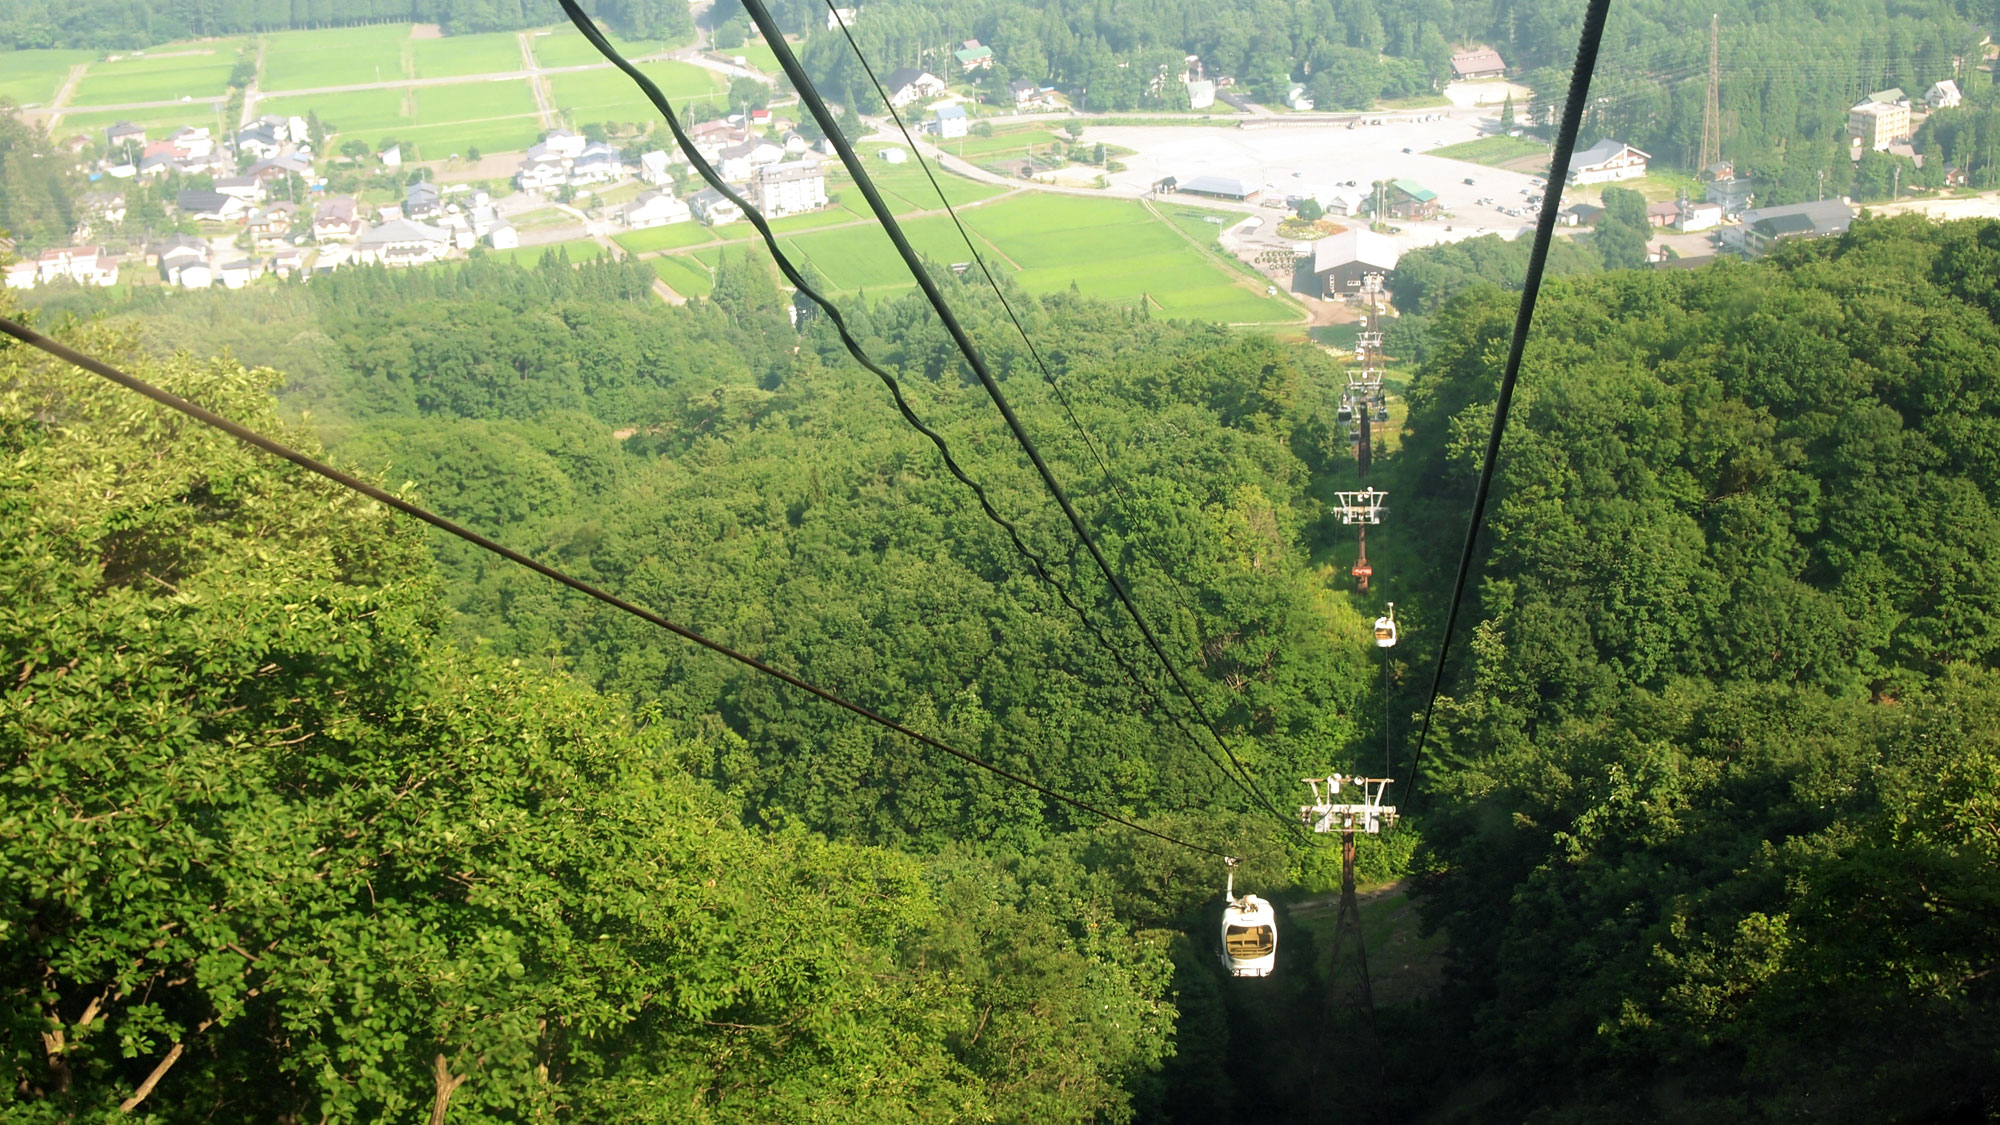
(1221, 187)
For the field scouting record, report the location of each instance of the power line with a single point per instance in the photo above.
(1524, 317)
(251, 437)
(1035, 561)
(808, 93)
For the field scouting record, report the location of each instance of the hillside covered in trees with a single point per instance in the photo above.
(352, 813)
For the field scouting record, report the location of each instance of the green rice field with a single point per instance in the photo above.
(497, 52)
(580, 250)
(437, 120)
(757, 55)
(157, 122)
(348, 56)
(683, 276)
(670, 237)
(564, 46)
(33, 77)
(1110, 249)
(608, 95)
(164, 74)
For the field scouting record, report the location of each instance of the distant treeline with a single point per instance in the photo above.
(103, 23)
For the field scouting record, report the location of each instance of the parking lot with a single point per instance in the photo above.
(1309, 159)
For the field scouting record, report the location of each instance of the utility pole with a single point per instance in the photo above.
(1711, 110)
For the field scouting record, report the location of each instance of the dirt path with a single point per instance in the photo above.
(61, 100)
(544, 107)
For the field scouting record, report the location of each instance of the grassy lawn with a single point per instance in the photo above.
(202, 73)
(673, 236)
(542, 217)
(1660, 186)
(758, 56)
(1494, 152)
(495, 52)
(581, 250)
(33, 77)
(906, 188)
(608, 95)
(682, 276)
(1414, 101)
(563, 46)
(348, 56)
(157, 122)
(435, 142)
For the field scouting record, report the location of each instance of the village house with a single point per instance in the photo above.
(1877, 125)
(260, 141)
(289, 261)
(596, 164)
(272, 226)
(1720, 170)
(541, 173)
(237, 274)
(1476, 63)
(183, 261)
(210, 206)
(1662, 213)
(950, 121)
(85, 265)
(654, 209)
(653, 168)
(971, 56)
(1409, 199)
(1343, 203)
(190, 140)
(563, 143)
(249, 189)
(1580, 215)
(907, 85)
(336, 219)
(1341, 261)
(107, 206)
(1606, 162)
(1698, 216)
(124, 133)
(502, 236)
(1764, 227)
(281, 166)
(1024, 92)
(787, 189)
(403, 242)
(421, 200)
(713, 208)
(1943, 95)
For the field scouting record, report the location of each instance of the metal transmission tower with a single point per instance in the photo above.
(1711, 110)
(1362, 398)
(1369, 816)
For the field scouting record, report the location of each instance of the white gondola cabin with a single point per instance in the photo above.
(1385, 628)
(1249, 933)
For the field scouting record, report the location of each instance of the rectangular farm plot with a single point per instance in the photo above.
(157, 122)
(497, 52)
(33, 77)
(671, 237)
(473, 101)
(685, 277)
(172, 74)
(565, 46)
(348, 56)
(608, 95)
(354, 113)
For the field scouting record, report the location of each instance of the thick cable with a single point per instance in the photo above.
(251, 437)
(809, 94)
(589, 30)
(1524, 317)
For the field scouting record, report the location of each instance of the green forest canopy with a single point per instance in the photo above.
(1719, 757)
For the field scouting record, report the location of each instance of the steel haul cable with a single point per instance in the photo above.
(597, 40)
(251, 437)
(809, 94)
